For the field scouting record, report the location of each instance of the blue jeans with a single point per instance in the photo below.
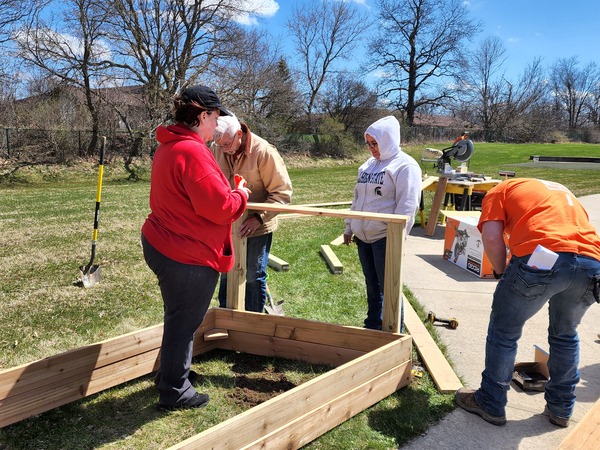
(521, 293)
(372, 260)
(257, 258)
(187, 291)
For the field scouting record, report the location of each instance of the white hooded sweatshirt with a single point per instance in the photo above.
(390, 184)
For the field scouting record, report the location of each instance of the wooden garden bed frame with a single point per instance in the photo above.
(370, 365)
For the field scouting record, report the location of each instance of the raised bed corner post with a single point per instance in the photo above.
(393, 311)
(236, 277)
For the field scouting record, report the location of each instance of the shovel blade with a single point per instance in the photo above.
(90, 276)
(275, 309)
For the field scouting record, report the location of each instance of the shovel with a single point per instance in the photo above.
(272, 308)
(90, 273)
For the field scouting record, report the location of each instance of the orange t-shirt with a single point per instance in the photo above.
(540, 212)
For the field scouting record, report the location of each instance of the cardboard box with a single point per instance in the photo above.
(463, 245)
(532, 376)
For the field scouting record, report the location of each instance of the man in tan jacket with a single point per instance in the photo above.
(239, 151)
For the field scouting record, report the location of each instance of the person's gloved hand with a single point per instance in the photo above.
(240, 183)
(347, 239)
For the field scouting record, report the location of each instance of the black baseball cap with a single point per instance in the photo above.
(205, 97)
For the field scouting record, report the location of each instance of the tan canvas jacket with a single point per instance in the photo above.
(263, 168)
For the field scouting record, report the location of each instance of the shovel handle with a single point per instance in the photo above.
(98, 199)
(99, 188)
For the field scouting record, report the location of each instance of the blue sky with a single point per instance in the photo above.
(549, 29)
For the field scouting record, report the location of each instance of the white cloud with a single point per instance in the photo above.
(259, 8)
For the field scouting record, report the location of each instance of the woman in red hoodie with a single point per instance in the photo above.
(187, 236)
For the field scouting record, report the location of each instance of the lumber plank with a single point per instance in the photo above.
(334, 335)
(236, 277)
(299, 215)
(586, 434)
(39, 399)
(278, 264)
(313, 424)
(327, 204)
(258, 344)
(276, 412)
(324, 212)
(437, 365)
(428, 182)
(51, 382)
(216, 334)
(338, 240)
(438, 198)
(392, 288)
(51, 370)
(335, 265)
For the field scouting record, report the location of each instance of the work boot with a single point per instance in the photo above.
(554, 419)
(197, 401)
(465, 398)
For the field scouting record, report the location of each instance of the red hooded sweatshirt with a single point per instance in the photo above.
(191, 201)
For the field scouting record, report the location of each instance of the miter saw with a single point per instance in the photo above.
(460, 151)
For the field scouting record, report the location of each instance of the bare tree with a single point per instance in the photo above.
(165, 45)
(350, 101)
(573, 88)
(324, 33)
(418, 49)
(281, 106)
(594, 106)
(483, 82)
(77, 58)
(13, 13)
(502, 109)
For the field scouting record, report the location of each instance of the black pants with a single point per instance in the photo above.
(186, 291)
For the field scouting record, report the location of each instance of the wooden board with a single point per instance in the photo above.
(392, 289)
(342, 214)
(216, 334)
(306, 428)
(278, 264)
(333, 335)
(438, 366)
(257, 344)
(586, 434)
(335, 265)
(338, 240)
(51, 382)
(276, 414)
(438, 198)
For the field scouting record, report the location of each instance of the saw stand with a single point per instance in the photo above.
(435, 207)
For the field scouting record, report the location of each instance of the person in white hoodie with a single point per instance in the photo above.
(388, 182)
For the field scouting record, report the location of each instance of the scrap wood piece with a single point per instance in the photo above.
(278, 263)
(428, 182)
(442, 373)
(216, 334)
(338, 240)
(586, 434)
(333, 262)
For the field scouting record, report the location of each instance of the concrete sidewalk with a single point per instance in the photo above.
(450, 291)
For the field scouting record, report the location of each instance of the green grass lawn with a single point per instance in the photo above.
(46, 223)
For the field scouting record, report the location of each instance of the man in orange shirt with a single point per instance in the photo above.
(531, 213)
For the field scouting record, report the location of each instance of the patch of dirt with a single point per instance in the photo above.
(256, 382)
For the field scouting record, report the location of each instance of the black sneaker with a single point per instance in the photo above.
(555, 420)
(197, 401)
(465, 398)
